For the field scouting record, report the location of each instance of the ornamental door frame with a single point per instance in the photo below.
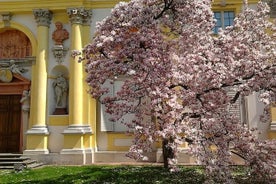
(12, 82)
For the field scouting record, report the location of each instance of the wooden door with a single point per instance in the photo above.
(10, 123)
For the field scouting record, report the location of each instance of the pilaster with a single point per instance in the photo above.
(76, 82)
(90, 104)
(87, 15)
(37, 135)
(79, 130)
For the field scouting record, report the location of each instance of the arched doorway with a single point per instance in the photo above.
(15, 47)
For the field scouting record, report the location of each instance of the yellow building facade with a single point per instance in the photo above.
(45, 111)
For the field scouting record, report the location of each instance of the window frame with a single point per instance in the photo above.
(222, 18)
(105, 124)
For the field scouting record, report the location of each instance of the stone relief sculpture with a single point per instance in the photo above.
(60, 34)
(14, 44)
(8, 68)
(60, 86)
(15, 68)
(25, 101)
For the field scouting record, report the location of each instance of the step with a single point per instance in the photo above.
(17, 162)
(27, 162)
(14, 158)
(9, 155)
(6, 167)
(35, 165)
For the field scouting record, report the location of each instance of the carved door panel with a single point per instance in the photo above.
(10, 123)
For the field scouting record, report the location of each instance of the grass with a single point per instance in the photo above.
(111, 175)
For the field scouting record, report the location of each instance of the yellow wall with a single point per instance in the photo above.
(59, 120)
(111, 141)
(36, 142)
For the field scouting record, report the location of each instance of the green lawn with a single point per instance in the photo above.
(111, 175)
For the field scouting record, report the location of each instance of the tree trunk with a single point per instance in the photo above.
(168, 152)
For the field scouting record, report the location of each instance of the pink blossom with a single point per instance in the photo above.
(168, 54)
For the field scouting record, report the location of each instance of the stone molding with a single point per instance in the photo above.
(77, 151)
(273, 126)
(78, 129)
(36, 152)
(38, 130)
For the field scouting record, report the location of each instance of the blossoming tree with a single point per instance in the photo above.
(178, 72)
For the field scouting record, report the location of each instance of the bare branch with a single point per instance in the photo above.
(168, 5)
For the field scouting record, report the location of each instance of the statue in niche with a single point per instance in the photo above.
(60, 34)
(61, 91)
(25, 100)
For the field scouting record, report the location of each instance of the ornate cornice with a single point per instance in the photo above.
(43, 17)
(16, 6)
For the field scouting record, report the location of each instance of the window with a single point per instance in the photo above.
(224, 19)
(106, 124)
(239, 107)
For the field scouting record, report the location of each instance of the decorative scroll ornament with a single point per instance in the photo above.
(5, 75)
(59, 53)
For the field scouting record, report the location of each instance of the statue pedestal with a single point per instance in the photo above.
(60, 111)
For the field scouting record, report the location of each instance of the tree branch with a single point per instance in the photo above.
(238, 155)
(104, 54)
(235, 98)
(167, 6)
(179, 85)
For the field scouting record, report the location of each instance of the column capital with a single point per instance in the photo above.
(6, 17)
(272, 5)
(87, 17)
(79, 15)
(43, 17)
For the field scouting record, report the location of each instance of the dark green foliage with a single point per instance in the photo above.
(113, 175)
